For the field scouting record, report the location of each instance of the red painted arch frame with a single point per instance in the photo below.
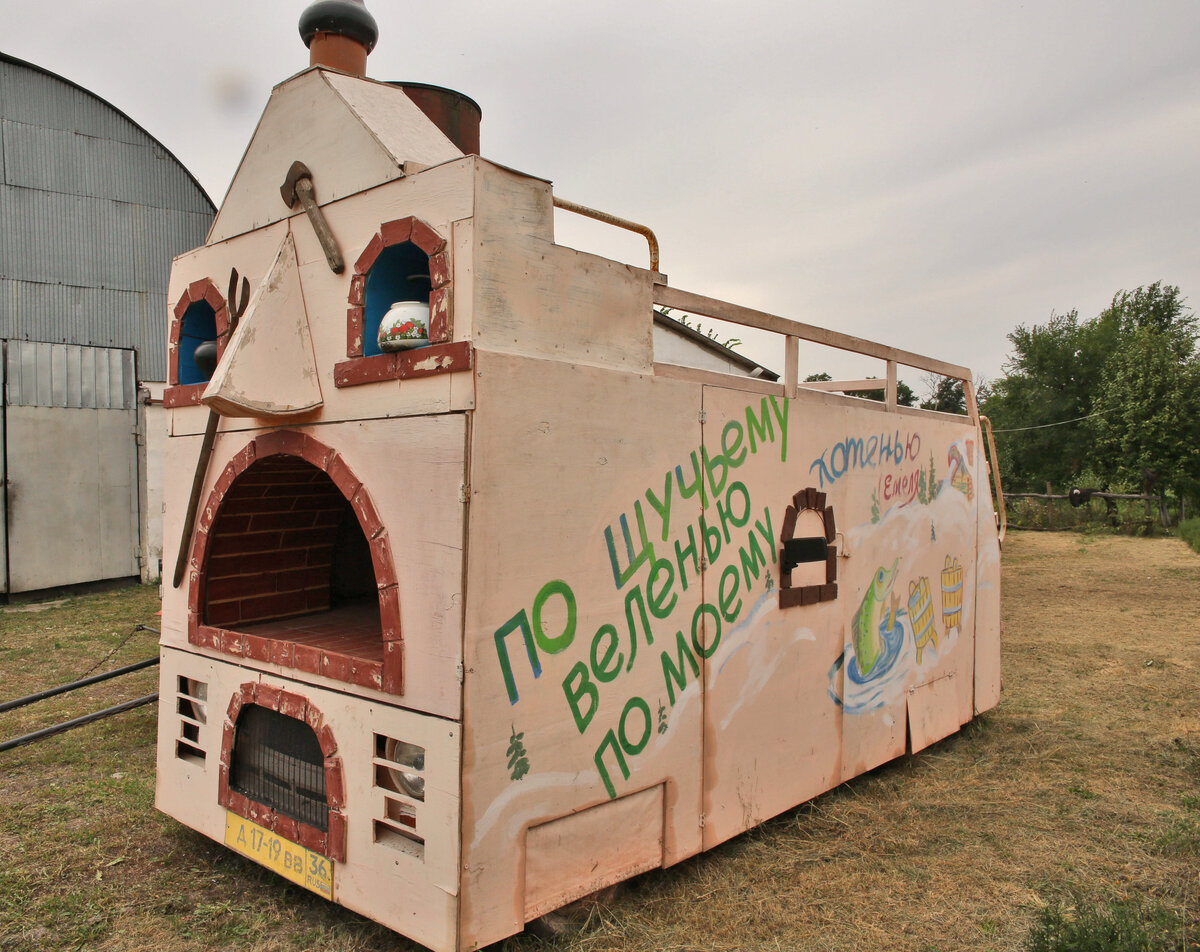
(388, 676)
(188, 394)
(331, 844)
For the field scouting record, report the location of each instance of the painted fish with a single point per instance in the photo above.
(868, 643)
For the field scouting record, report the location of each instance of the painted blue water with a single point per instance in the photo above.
(886, 680)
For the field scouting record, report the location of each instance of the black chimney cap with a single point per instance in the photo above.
(349, 18)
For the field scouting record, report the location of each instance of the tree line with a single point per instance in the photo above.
(1111, 402)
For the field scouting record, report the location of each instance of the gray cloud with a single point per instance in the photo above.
(927, 174)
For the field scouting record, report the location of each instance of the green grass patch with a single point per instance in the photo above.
(1180, 834)
(1117, 925)
(1189, 532)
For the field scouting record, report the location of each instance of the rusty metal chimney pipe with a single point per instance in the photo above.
(339, 34)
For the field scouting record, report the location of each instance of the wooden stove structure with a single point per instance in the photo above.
(468, 631)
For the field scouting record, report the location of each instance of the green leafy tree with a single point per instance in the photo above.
(1159, 308)
(1051, 376)
(1101, 400)
(1153, 425)
(946, 394)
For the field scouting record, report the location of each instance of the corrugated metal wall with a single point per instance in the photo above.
(92, 210)
(64, 375)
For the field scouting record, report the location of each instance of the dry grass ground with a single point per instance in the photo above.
(1087, 777)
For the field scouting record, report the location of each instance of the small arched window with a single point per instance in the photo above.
(803, 579)
(400, 273)
(199, 331)
(197, 343)
(406, 260)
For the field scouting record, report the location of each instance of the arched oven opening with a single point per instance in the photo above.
(290, 569)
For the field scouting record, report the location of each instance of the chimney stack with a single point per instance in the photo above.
(339, 34)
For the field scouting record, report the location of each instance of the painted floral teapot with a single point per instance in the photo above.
(404, 326)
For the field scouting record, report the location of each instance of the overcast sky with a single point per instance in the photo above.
(925, 174)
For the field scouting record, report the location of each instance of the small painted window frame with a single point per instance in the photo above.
(179, 394)
(791, 595)
(442, 355)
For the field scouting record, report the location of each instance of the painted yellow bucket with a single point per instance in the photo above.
(920, 613)
(952, 584)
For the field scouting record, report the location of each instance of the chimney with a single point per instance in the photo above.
(339, 34)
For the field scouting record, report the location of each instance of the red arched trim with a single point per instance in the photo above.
(790, 595)
(331, 844)
(182, 395)
(388, 676)
(441, 356)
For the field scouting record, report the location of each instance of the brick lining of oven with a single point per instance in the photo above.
(286, 529)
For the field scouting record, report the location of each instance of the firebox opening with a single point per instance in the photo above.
(277, 762)
(289, 561)
(400, 273)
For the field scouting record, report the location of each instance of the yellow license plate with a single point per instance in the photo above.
(290, 860)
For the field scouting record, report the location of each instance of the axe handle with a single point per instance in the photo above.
(304, 192)
(185, 540)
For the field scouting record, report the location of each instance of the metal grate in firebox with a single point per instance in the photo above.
(277, 762)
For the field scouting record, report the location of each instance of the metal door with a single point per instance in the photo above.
(70, 501)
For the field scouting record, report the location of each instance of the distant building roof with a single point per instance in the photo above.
(718, 350)
(92, 211)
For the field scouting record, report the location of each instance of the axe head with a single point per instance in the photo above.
(297, 172)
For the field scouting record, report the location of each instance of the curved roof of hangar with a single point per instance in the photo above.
(93, 209)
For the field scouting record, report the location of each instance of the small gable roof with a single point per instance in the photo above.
(353, 133)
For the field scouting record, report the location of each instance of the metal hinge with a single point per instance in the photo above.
(458, 670)
(703, 416)
(464, 492)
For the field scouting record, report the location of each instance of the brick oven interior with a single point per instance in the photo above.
(289, 561)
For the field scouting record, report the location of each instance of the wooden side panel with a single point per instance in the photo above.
(800, 698)
(987, 603)
(932, 712)
(565, 709)
(910, 532)
(512, 204)
(772, 731)
(536, 298)
(572, 857)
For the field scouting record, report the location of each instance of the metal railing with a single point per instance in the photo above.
(84, 719)
(796, 331)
